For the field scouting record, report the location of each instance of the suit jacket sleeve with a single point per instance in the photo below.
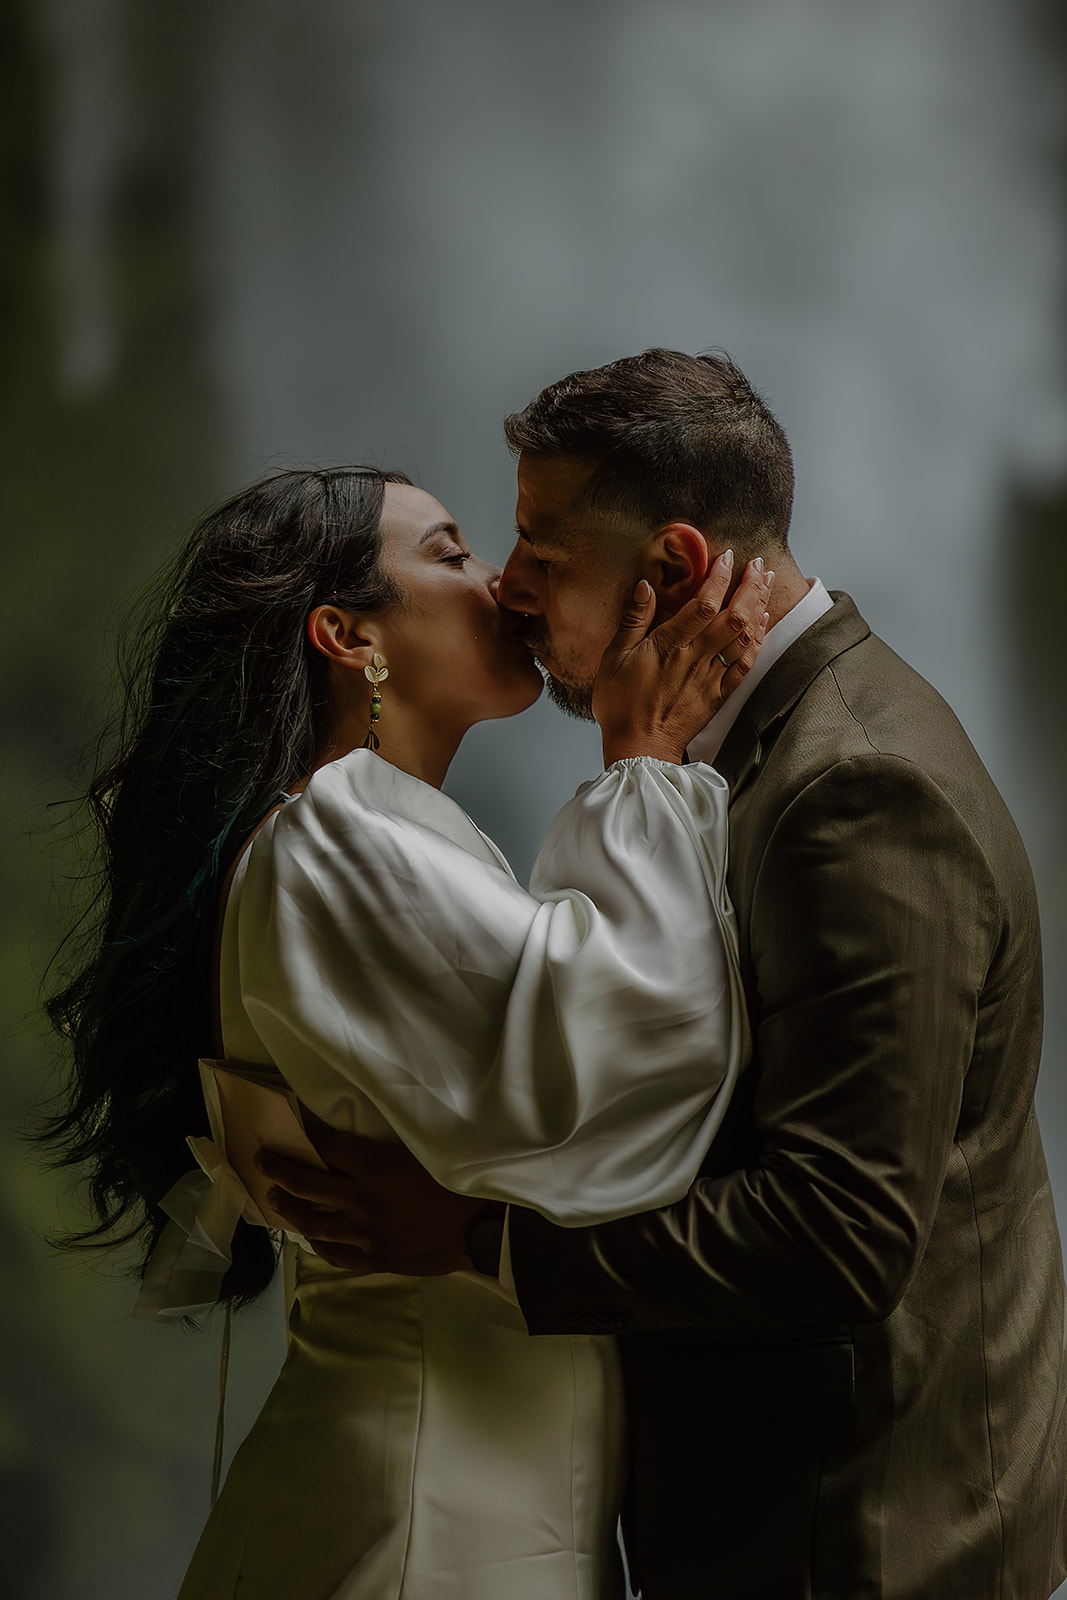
(873, 921)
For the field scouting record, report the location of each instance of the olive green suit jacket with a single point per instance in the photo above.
(844, 1349)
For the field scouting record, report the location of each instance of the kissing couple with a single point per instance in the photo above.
(700, 1182)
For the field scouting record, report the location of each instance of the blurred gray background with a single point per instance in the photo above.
(241, 235)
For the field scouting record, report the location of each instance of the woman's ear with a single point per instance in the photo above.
(339, 635)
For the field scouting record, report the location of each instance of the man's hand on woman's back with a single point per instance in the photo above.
(375, 1208)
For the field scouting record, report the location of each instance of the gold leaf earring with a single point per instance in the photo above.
(375, 675)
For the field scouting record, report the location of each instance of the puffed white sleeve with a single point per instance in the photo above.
(571, 1048)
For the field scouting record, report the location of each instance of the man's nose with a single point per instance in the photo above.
(513, 592)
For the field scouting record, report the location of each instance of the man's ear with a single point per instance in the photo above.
(675, 561)
(339, 635)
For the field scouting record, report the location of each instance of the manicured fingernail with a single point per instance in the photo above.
(643, 592)
(758, 563)
(766, 620)
(727, 559)
(768, 578)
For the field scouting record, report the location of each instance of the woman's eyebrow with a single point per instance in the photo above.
(439, 527)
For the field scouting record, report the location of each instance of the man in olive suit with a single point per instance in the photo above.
(844, 1348)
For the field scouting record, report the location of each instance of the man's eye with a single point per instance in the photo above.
(459, 558)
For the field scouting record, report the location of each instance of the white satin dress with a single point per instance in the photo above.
(571, 1048)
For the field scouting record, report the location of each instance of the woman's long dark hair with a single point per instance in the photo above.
(225, 705)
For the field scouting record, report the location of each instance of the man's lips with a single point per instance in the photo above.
(521, 627)
(537, 645)
(531, 637)
(511, 621)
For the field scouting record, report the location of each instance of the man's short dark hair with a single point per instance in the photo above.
(670, 437)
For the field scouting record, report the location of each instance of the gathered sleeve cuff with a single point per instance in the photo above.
(184, 1273)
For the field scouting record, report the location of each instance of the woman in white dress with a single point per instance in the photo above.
(323, 644)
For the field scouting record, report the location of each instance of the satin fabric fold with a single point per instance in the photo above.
(572, 1047)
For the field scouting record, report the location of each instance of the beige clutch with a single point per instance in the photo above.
(256, 1109)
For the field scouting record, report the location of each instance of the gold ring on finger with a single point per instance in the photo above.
(720, 657)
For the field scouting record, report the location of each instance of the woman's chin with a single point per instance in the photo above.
(528, 695)
(535, 691)
(519, 697)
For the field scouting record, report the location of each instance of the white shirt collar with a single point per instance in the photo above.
(786, 631)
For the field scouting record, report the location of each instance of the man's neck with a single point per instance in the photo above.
(793, 619)
(790, 585)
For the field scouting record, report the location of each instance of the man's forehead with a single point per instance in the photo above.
(550, 500)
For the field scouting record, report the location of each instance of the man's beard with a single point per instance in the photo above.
(576, 699)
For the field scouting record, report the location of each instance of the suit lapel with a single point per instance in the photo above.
(787, 681)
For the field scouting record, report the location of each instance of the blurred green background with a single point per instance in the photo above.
(244, 235)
